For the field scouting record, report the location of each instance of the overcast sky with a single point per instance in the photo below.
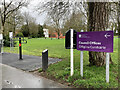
(40, 18)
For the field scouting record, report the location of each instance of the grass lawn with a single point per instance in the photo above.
(94, 77)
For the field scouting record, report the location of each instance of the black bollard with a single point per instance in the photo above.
(20, 49)
(44, 60)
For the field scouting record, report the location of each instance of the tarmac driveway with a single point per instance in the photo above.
(29, 63)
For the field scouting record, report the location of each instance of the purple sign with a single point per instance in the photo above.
(99, 41)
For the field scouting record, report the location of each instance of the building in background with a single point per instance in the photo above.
(53, 34)
(46, 33)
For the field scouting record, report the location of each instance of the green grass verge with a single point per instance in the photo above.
(94, 77)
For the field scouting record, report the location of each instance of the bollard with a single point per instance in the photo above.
(21, 41)
(20, 49)
(45, 60)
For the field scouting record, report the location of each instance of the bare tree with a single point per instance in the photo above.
(7, 8)
(60, 11)
(76, 21)
(29, 21)
(15, 21)
(57, 11)
(33, 27)
(115, 15)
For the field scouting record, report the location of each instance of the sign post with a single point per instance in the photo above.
(72, 69)
(11, 39)
(71, 43)
(107, 67)
(81, 62)
(99, 41)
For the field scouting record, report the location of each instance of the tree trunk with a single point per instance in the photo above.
(97, 21)
(14, 31)
(2, 26)
(3, 29)
(58, 34)
(14, 27)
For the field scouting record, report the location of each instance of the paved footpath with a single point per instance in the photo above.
(29, 63)
(15, 78)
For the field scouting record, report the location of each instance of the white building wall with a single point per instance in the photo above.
(46, 32)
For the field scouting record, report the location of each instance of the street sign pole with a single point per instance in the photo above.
(11, 37)
(107, 67)
(81, 62)
(71, 45)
